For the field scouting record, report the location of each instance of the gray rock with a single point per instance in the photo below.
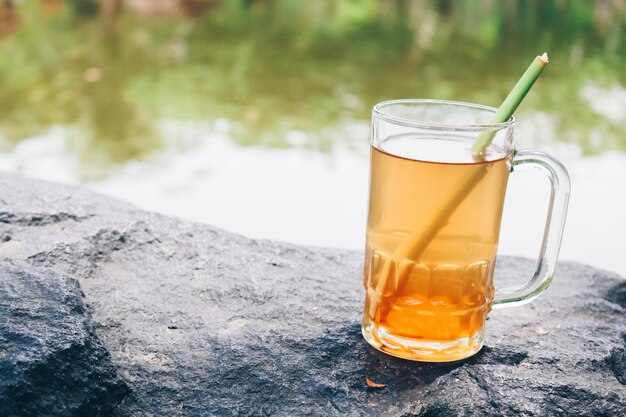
(51, 362)
(199, 321)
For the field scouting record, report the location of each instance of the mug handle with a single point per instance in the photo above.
(553, 231)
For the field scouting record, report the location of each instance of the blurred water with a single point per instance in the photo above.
(316, 198)
(253, 116)
(276, 67)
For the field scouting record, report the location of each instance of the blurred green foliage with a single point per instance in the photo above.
(273, 66)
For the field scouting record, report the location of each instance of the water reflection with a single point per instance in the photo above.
(110, 73)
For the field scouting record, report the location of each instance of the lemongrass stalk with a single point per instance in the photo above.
(512, 101)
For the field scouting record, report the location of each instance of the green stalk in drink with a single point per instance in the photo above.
(512, 101)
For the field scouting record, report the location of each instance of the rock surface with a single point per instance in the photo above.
(51, 362)
(199, 321)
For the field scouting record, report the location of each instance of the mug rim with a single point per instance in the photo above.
(378, 111)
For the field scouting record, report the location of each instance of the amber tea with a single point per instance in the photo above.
(445, 293)
(438, 176)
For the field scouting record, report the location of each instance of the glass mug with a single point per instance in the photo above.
(434, 223)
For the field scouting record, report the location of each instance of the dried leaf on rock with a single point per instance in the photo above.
(373, 384)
